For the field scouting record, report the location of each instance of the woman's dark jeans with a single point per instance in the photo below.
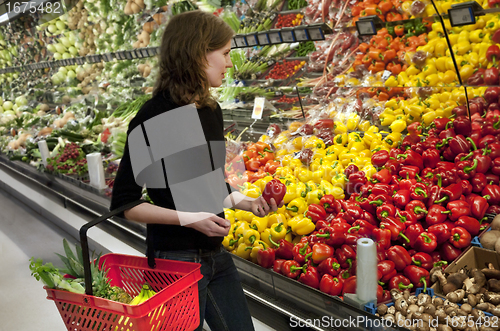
(222, 301)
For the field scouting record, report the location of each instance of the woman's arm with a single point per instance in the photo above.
(207, 223)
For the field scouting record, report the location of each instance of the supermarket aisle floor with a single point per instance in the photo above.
(23, 234)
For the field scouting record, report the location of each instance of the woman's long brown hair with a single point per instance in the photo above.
(187, 39)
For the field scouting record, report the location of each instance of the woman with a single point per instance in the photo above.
(183, 173)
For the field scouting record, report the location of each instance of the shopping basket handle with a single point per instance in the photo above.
(85, 244)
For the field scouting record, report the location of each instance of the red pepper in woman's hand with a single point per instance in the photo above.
(470, 224)
(291, 269)
(418, 276)
(492, 194)
(460, 238)
(399, 255)
(440, 231)
(300, 251)
(426, 242)
(274, 189)
(435, 215)
(331, 285)
(418, 208)
(431, 157)
(380, 158)
(423, 260)
(400, 282)
(418, 192)
(310, 277)
(386, 270)
(329, 266)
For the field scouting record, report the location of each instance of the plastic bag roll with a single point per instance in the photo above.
(366, 272)
(96, 170)
(44, 151)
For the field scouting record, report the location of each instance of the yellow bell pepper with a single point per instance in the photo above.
(337, 192)
(250, 236)
(339, 127)
(368, 137)
(398, 126)
(297, 142)
(264, 236)
(239, 228)
(296, 207)
(243, 215)
(387, 120)
(353, 137)
(283, 171)
(391, 82)
(357, 147)
(393, 139)
(491, 26)
(346, 158)
(261, 183)
(429, 117)
(317, 175)
(303, 226)
(259, 223)
(326, 187)
(329, 158)
(229, 215)
(314, 196)
(365, 153)
(278, 232)
(340, 139)
(369, 170)
(295, 163)
(229, 242)
(364, 125)
(403, 78)
(315, 164)
(339, 181)
(353, 121)
(250, 190)
(305, 175)
(256, 247)
(314, 142)
(243, 251)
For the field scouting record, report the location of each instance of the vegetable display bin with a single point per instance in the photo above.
(175, 305)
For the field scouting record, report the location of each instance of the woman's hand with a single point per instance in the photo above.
(259, 207)
(207, 223)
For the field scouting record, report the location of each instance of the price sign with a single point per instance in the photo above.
(258, 108)
(144, 52)
(233, 43)
(461, 16)
(263, 39)
(316, 34)
(240, 41)
(288, 36)
(301, 35)
(275, 37)
(252, 40)
(366, 28)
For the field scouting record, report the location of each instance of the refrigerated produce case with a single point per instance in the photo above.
(89, 71)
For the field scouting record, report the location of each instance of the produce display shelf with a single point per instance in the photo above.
(282, 297)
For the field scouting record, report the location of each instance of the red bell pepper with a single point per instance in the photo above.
(418, 192)
(492, 179)
(321, 252)
(315, 212)
(277, 265)
(466, 187)
(462, 126)
(380, 188)
(380, 199)
(440, 231)
(274, 189)
(401, 198)
(457, 209)
(413, 232)
(329, 266)
(382, 176)
(495, 166)
(300, 251)
(291, 269)
(450, 193)
(310, 277)
(382, 236)
(380, 158)
(426, 242)
(345, 256)
(406, 184)
(349, 285)
(433, 193)
(412, 158)
(417, 275)
(431, 157)
(414, 128)
(483, 161)
(351, 169)
(399, 255)
(460, 238)
(330, 204)
(393, 166)
(386, 210)
(284, 250)
(266, 257)
(400, 282)
(418, 208)
(435, 215)
(362, 228)
(478, 182)
(408, 172)
(479, 206)
(355, 182)
(396, 227)
(331, 285)
(459, 144)
(386, 270)
(406, 217)
(334, 235)
(493, 53)
(351, 239)
(423, 260)
(467, 169)
(492, 194)
(470, 224)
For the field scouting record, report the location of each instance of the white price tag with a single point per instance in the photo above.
(258, 108)
(252, 40)
(461, 16)
(366, 28)
(263, 39)
(240, 41)
(275, 37)
(386, 74)
(301, 35)
(316, 34)
(288, 36)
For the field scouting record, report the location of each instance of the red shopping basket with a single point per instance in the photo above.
(175, 305)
